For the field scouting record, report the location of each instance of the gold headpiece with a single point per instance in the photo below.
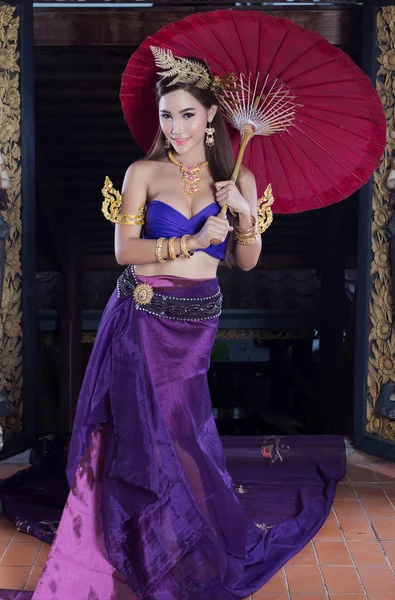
(182, 70)
(187, 70)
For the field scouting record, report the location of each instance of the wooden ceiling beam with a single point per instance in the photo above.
(129, 27)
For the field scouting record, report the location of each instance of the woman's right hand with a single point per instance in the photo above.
(214, 228)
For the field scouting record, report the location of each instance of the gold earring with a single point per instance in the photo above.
(210, 136)
(167, 143)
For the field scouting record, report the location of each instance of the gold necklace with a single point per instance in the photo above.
(190, 177)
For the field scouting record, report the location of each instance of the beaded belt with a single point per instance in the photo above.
(168, 307)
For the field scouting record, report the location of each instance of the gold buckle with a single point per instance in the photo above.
(143, 294)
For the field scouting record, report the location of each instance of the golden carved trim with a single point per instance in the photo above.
(381, 362)
(11, 302)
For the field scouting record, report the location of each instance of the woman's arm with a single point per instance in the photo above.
(129, 248)
(245, 204)
(248, 256)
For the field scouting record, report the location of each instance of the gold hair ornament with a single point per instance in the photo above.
(189, 71)
(265, 213)
(111, 206)
(182, 70)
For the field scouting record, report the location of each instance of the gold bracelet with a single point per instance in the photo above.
(247, 241)
(247, 237)
(158, 250)
(248, 231)
(184, 248)
(170, 249)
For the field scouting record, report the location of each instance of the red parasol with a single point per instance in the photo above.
(337, 134)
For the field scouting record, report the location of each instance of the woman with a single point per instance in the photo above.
(152, 513)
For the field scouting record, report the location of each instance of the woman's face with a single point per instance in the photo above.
(183, 120)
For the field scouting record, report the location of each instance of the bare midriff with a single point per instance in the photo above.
(200, 266)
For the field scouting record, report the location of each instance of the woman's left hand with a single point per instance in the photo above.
(228, 193)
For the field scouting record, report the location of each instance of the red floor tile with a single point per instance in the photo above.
(265, 596)
(304, 579)
(367, 553)
(329, 531)
(385, 529)
(341, 579)
(369, 490)
(33, 578)
(379, 508)
(361, 474)
(389, 489)
(345, 491)
(333, 553)
(389, 549)
(25, 537)
(3, 547)
(357, 529)
(7, 530)
(276, 584)
(42, 555)
(385, 472)
(349, 508)
(13, 578)
(304, 557)
(20, 555)
(310, 597)
(343, 597)
(378, 580)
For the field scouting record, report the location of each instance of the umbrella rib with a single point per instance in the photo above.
(202, 48)
(273, 143)
(309, 71)
(327, 153)
(240, 41)
(296, 59)
(276, 53)
(289, 150)
(259, 44)
(330, 82)
(339, 143)
(336, 112)
(333, 139)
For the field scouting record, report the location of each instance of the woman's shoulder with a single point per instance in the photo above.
(142, 170)
(245, 174)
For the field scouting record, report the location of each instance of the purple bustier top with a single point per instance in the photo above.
(162, 220)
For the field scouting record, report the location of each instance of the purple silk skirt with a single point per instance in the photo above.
(153, 512)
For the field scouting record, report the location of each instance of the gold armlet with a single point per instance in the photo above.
(265, 214)
(111, 206)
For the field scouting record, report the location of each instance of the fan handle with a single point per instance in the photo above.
(247, 133)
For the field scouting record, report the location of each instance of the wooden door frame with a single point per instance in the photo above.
(365, 440)
(25, 438)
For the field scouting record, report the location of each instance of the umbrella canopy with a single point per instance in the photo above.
(337, 134)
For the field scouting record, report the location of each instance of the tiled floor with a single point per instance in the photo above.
(351, 558)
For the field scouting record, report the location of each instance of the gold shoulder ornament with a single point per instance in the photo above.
(111, 206)
(265, 214)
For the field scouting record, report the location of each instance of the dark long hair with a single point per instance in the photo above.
(220, 156)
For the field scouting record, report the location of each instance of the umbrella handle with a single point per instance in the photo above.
(247, 133)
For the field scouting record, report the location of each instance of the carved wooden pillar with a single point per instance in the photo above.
(375, 329)
(17, 208)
